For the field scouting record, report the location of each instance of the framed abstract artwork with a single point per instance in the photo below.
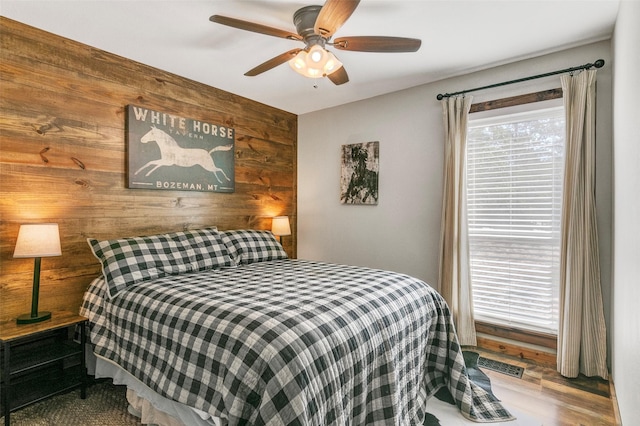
(359, 173)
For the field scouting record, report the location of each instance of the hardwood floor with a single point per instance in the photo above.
(545, 394)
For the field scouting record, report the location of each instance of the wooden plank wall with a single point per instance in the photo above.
(62, 159)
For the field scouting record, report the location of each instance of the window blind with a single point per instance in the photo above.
(514, 198)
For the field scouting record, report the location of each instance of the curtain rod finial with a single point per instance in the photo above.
(440, 96)
(599, 63)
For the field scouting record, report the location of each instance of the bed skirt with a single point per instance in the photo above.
(146, 404)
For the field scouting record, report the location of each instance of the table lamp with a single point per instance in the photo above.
(280, 226)
(37, 241)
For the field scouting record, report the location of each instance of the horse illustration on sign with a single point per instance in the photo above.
(180, 145)
(171, 154)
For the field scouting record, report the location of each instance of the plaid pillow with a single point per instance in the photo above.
(129, 261)
(248, 246)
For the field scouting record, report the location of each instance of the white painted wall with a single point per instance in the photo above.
(402, 232)
(626, 247)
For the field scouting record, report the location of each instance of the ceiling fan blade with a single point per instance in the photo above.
(272, 63)
(377, 44)
(252, 26)
(333, 14)
(339, 76)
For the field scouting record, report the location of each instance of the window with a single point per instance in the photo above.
(514, 197)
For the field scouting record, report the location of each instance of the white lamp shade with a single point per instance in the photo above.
(38, 240)
(280, 226)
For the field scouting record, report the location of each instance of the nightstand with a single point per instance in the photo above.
(41, 360)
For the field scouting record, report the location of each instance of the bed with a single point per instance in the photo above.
(225, 324)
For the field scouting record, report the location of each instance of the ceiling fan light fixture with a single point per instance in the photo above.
(299, 62)
(332, 64)
(317, 56)
(315, 63)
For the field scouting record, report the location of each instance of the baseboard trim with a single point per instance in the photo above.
(614, 401)
(513, 349)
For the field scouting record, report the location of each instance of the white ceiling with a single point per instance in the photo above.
(458, 36)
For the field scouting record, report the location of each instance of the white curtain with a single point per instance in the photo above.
(582, 332)
(455, 278)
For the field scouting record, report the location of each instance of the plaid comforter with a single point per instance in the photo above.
(289, 342)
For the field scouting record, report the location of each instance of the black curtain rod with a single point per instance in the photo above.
(598, 64)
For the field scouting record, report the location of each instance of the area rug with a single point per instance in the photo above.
(442, 410)
(105, 405)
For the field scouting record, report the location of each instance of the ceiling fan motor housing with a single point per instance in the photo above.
(305, 20)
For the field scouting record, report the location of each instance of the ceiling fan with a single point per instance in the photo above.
(315, 25)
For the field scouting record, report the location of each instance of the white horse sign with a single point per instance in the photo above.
(169, 152)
